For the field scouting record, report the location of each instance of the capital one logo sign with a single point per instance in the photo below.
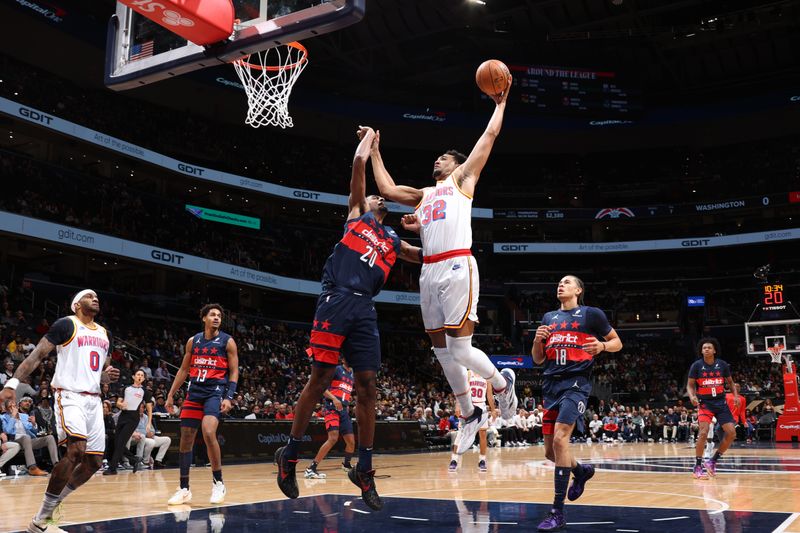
(168, 16)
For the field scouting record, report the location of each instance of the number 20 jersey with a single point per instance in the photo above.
(564, 353)
(362, 259)
(445, 215)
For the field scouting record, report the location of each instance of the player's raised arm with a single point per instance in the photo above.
(386, 185)
(468, 173)
(26, 367)
(411, 254)
(357, 202)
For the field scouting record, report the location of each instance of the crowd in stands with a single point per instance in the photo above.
(564, 180)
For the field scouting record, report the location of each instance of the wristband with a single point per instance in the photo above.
(231, 390)
(12, 384)
(604, 345)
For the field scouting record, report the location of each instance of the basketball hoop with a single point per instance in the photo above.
(268, 77)
(775, 352)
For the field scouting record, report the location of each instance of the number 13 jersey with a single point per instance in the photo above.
(209, 363)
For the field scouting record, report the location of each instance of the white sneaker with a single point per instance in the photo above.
(217, 492)
(469, 428)
(180, 497)
(313, 474)
(508, 398)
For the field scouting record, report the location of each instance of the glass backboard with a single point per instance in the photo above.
(139, 51)
(761, 335)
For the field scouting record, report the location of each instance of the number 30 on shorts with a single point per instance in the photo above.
(94, 361)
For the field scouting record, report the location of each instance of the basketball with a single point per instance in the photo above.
(493, 77)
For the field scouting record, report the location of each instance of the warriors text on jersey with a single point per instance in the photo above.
(564, 353)
(209, 363)
(445, 216)
(710, 378)
(341, 386)
(362, 259)
(82, 350)
(477, 388)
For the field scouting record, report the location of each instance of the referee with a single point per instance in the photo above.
(128, 404)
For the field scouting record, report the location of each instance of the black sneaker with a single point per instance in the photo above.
(109, 472)
(287, 481)
(366, 482)
(137, 464)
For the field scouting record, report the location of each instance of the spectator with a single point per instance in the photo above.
(8, 449)
(671, 420)
(8, 371)
(596, 429)
(23, 430)
(162, 373)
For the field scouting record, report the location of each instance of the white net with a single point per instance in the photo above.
(268, 77)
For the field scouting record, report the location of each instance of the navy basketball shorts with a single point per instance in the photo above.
(708, 409)
(201, 401)
(338, 421)
(345, 325)
(565, 402)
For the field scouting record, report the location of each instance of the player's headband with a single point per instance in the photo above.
(78, 297)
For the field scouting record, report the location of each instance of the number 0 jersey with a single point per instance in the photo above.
(710, 378)
(362, 259)
(209, 362)
(564, 353)
(82, 350)
(445, 215)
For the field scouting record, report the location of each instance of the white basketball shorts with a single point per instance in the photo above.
(80, 415)
(448, 293)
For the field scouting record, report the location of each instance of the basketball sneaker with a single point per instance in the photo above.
(366, 482)
(482, 466)
(346, 468)
(180, 497)
(453, 466)
(287, 481)
(711, 467)
(699, 473)
(313, 474)
(218, 492)
(579, 482)
(469, 428)
(554, 521)
(508, 398)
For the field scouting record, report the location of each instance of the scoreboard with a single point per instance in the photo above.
(575, 92)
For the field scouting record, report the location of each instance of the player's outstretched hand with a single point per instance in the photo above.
(111, 373)
(226, 406)
(363, 131)
(411, 223)
(593, 346)
(542, 333)
(376, 141)
(503, 96)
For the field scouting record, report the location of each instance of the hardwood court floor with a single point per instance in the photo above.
(641, 477)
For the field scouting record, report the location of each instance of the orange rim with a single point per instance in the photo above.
(294, 44)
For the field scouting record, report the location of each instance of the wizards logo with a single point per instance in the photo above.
(614, 212)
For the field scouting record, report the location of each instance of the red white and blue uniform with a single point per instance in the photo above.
(710, 381)
(341, 387)
(567, 366)
(208, 377)
(345, 322)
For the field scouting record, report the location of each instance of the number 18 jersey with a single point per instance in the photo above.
(569, 329)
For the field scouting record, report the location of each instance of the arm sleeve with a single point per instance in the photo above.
(61, 331)
(598, 321)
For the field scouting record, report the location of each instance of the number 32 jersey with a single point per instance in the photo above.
(82, 350)
(564, 353)
(445, 216)
(362, 259)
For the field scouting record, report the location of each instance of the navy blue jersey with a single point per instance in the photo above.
(710, 378)
(361, 261)
(341, 386)
(569, 330)
(209, 362)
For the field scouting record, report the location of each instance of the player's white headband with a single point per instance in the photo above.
(78, 297)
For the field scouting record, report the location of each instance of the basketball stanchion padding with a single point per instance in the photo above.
(203, 23)
(268, 77)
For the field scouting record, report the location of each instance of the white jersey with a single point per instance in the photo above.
(477, 388)
(81, 357)
(445, 216)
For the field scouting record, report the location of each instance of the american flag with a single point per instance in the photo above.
(142, 50)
